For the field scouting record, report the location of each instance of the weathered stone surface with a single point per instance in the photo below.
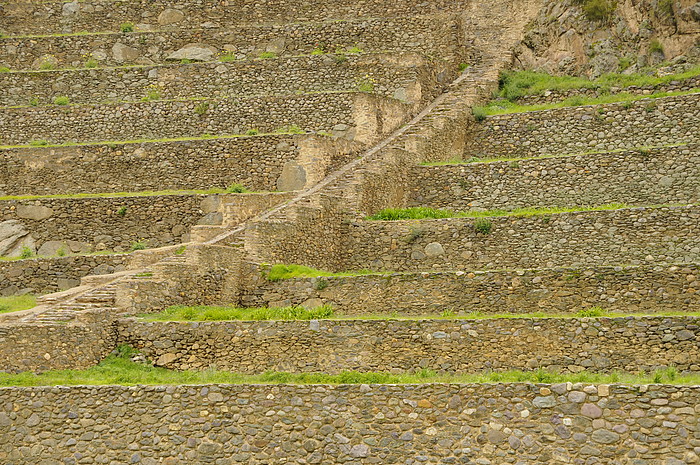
(194, 52)
(13, 238)
(52, 248)
(124, 54)
(170, 16)
(434, 249)
(293, 177)
(34, 212)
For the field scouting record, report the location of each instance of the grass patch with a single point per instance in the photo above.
(516, 84)
(118, 369)
(501, 107)
(420, 213)
(18, 303)
(280, 272)
(222, 313)
(237, 189)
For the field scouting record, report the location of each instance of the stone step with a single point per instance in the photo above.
(408, 76)
(641, 177)
(420, 34)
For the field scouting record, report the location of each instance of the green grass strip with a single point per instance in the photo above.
(224, 313)
(279, 272)
(503, 107)
(518, 84)
(421, 213)
(118, 369)
(17, 303)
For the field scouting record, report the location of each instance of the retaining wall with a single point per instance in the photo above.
(441, 36)
(628, 236)
(45, 275)
(647, 289)
(408, 77)
(255, 162)
(113, 223)
(171, 119)
(569, 345)
(642, 177)
(437, 423)
(41, 17)
(647, 122)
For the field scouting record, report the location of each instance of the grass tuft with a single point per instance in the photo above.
(17, 303)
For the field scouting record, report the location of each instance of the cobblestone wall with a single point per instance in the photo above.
(498, 423)
(44, 275)
(255, 162)
(643, 177)
(173, 119)
(647, 289)
(409, 77)
(36, 347)
(630, 236)
(648, 122)
(569, 345)
(112, 223)
(102, 15)
(442, 36)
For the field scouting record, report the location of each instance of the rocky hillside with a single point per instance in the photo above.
(594, 37)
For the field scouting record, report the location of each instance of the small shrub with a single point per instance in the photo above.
(38, 143)
(138, 245)
(61, 252)
(463, 67)
(202, 108)
(666, 7)
(252, 132)
(651, 107)
(227, 57)
(321, 284)
(185, 61)
(34, 102)
(4, 69)
(448, 314)
(340, 58)
(267, 55)
(153, 92)
(91, 63)
(658, 377)
(26, 253)
(479, 113)
(46, 65)
(121, 211)
(624, 63)
(237, 189)
(414, 233)
(593, 312)
(366, 83)
(656, 47)
(598, 10)
(61, 101)
(181, 250)
(483, 226)
(126, 27)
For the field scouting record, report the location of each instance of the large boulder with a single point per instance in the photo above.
(14, 237)
(123, 53)
(194, 52)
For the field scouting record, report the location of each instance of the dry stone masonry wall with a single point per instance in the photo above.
(44, 275)
(50, 17)
(494, 423)
(172, 119)
(641, 177)
(443, 37)
(647, 289)
(255, 162)
(629, 236)
(648, 122)
(405, 77)
(568, 345)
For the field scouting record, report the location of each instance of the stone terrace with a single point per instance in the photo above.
(385, 122)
